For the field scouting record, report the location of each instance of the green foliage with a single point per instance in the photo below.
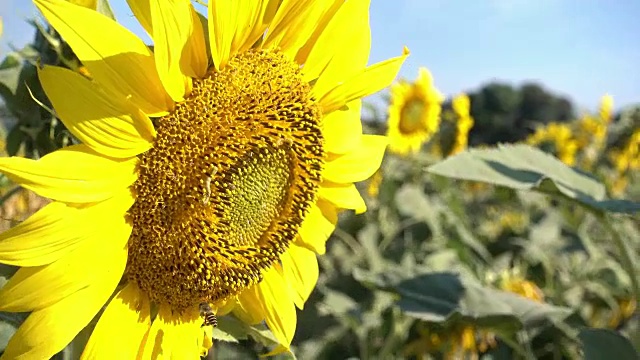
(33, 128)
(525, 168)
(504, 113)
(601, 344)
(445, 298)
(430, 253)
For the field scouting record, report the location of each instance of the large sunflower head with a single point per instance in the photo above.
(414, 113)
(211, 172)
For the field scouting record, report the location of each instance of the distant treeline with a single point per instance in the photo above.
(505, 113)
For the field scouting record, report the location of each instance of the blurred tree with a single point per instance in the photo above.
(504, 113)
(494, 107)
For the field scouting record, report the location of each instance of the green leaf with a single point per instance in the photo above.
(12, 60)
(6, 332)
(368, 238)
(526, 168)
(6, 272)
(228, 332)
(29, 53)
(466, 235)
(544, 242)
(232, 329)
(430, 297)
(603, 344)
(14, 140)
(16, 78)
(336, 303)
(383, 280)
(227, 350)
(442, 259)
(412, 201)
(9, 322)
(429, 294)
(48, 36)
(10, 70)
(447, 299)
(617, 206)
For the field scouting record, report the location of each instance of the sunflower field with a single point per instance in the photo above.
(455, 248)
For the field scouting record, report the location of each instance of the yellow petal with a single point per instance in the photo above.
(196, 64)
(356, 45)
(342, 50)
(186, 335)
(115, 57)
(73, 174)
(174, 336)
(280, 312)
(226, 306)
(372, 79)
(107, 125)
(154, 345)
(300, 269)
(56, 230)
(235, 26)
(141, 9)
(125, 321)
(249, 309)
(95, 258)
(35, 339)
(44, 237)
(294, 23)
(253, 19)
(180, 51)
(207, 341)
(222, 20)
(318, 225)
(359, 164)
(320, 32)
(342, 196)
(91, 4)
(342, 129)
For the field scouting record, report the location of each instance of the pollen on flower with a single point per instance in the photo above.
(228, 182)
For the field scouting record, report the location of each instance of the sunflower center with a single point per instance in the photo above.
(411, 116)
(228, 182)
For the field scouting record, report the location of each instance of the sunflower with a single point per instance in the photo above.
(210, 171)
(464, 122)
(414, 113)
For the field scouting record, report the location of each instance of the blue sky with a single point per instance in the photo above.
(578, 48)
